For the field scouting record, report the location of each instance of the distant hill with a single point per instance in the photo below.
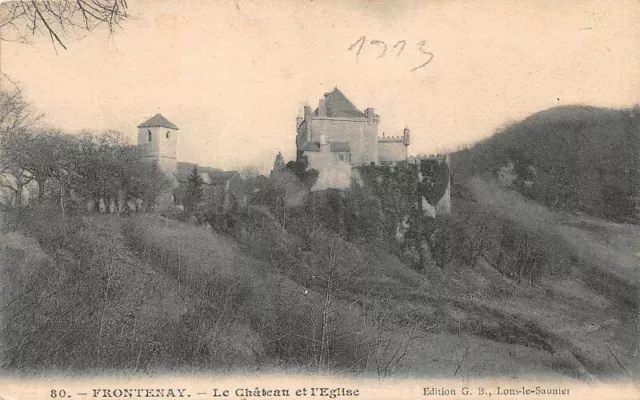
(577, 157)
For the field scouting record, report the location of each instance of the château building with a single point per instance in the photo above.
(337, 132)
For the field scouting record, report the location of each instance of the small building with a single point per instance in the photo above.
(222, 190)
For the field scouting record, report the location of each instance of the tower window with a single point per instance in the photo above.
(149, 131)
(167, 135)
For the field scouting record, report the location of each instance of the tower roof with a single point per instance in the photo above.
(339, 106)
(157, 121)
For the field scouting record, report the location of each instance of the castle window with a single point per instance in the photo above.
(167, 134)
(149, 131)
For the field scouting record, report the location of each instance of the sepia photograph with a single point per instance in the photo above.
(319, 198)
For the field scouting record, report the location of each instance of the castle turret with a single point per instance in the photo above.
(406, 136)
(370, 115)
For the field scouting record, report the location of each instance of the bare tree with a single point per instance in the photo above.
(390, 338)
(17, 119)
(339, 267)
(249, 172)
(20, 20)
(16, 113)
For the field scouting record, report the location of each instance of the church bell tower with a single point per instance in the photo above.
(159, 138)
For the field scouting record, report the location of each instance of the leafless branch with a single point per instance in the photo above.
(58, 18)
(462, 360)
(618, 360)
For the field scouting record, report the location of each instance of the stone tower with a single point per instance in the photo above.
(159, 139)
(406, 136)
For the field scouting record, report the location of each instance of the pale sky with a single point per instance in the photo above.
(233, 75)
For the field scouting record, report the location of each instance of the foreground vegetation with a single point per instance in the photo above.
(149, 293)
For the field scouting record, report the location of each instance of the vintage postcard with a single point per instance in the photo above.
(361, 199)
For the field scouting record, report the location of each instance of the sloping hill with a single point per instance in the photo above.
(146, 293)
(572, 157)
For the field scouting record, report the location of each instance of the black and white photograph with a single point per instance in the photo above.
(319, 198)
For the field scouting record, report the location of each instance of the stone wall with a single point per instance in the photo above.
(362, 136)
(161, 147)
(391, 150)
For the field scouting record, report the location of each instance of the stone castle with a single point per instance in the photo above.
(337, 132)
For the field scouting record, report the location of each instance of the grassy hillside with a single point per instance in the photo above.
(572, 157)
(145, 294)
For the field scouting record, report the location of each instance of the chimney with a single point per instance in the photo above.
(369, 113)
(322, 108)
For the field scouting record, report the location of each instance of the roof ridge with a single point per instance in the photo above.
(158, 120)
(341, 103)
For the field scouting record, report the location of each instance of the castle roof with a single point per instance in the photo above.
(338, 105)
(157, 121)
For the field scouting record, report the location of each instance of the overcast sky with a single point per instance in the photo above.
(233, 75)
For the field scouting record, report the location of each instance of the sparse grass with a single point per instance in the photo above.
(147, 293)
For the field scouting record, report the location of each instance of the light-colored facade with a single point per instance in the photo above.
(392, 149)
(159, 138)
(338, 135)
(337, 132)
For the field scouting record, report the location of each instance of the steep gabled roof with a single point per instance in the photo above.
(157, 121)
(185, 169)
(216, 176)
(339, 106)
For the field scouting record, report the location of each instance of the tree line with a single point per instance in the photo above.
(572, 157)
(71, 169)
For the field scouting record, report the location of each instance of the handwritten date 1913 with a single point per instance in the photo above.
(399, 45)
